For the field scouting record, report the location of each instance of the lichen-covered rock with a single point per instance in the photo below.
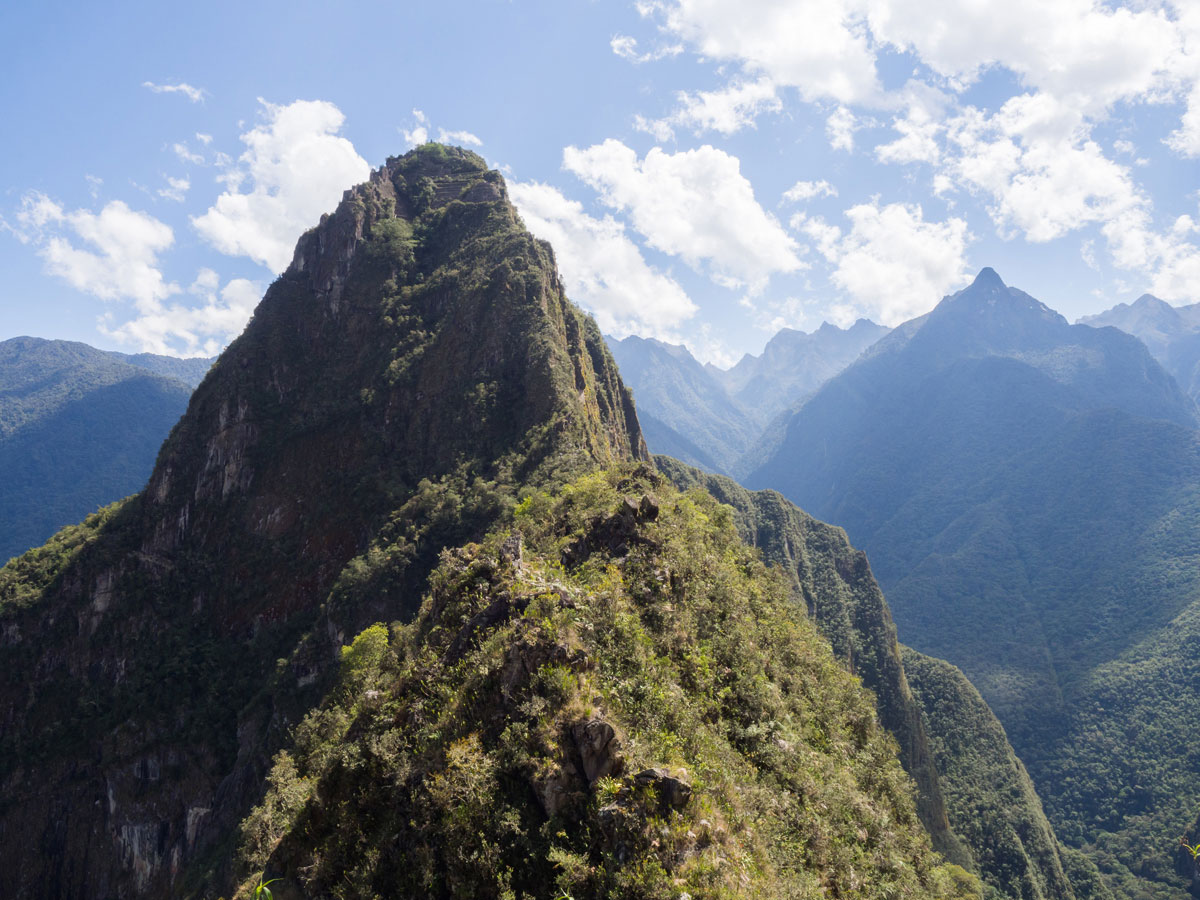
(599, 749)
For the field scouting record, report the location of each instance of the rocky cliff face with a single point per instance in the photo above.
(416, 363)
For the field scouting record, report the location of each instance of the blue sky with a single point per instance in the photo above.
(708, 171)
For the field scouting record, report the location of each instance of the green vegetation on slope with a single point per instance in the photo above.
(612, 698)
(832, 581)
(991, 801)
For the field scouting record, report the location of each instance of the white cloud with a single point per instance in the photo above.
(194, 94)
(186, 155)
(1083, 52)
(181, 330)
(840, 128)
(820, 47)
(727, 110)
(806, 190)
(1043, 181)
(1079, 50)
(112, 254)
(1169, 259)
(626, 47)
(603, 269)
(421, 131)
(203, 138)
(176, 189)
(693, 204)
(1035, 161)
(709, 348)
(893, 263)
(296, 167)
(919, 127)
(458, 137)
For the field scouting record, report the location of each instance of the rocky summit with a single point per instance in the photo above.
(416, 366)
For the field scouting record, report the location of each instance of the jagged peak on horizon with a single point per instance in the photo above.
(988, 277)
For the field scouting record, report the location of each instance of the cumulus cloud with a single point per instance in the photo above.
(694, 204)
(602, 267)
(726, 110)
(840, 128)
(893, 263)
(419, 133)
(1084, 52)
(294, 169)
(421, 130)
(919, 128)
(112, 254)
(115, 255)
(1043, 180)
(1033, 157)
(1081, 50)
(820, 48)
(203, 328)
(194, 94)
(806, 190)
(1169, 258)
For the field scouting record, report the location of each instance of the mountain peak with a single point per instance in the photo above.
(988, 278)
(417, 364)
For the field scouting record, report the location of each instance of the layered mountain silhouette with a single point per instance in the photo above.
(715, 418)
(685, 411)
(79, 429)
(794, 364)
(1026, 490)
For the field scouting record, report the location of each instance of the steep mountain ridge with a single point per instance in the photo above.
(471, 374)
(613, 697)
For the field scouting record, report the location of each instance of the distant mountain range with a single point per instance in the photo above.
(711, 417)
(793, 365)
(1028, 493)
(1171, 333)
(79, 428)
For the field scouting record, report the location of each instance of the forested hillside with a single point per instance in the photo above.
(1026, 491)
